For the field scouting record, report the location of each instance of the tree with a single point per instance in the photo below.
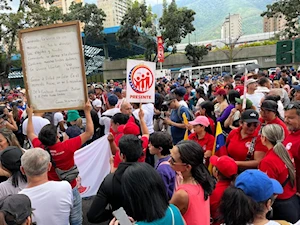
(91, 18)
(137, 28)
(230, 47)
(175, 24)
(290, 10)
(195, 53)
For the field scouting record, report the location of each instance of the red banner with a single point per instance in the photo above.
(160, 49)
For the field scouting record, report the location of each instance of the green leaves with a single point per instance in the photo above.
(195, 53)
(91, 18)
(290, 9)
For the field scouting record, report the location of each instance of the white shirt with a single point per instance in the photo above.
(149, 113)
(38, 123)
(255, 99)
(183, 103)
(104, 120)
(120, 102)
(6, 187)
(52, 202)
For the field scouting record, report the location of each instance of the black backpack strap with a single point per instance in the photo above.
(286, 181)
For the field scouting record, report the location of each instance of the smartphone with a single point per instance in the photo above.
(121, 215)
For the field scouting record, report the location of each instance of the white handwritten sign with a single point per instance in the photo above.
(53, 67)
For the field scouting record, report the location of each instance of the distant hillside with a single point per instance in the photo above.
(210, 15)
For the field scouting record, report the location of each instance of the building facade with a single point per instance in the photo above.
(232, 27)
(115, 10)
(277, 23)
(62, 4)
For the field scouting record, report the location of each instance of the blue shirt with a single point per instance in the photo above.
(168, 218)
(178, 133)
(167, 174)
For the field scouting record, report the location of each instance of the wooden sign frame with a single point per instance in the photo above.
(81, 55)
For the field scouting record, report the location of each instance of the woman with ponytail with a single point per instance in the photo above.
(249, 200)
(277, 164)
(192, 196)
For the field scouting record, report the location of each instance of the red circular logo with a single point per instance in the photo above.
(141, 78)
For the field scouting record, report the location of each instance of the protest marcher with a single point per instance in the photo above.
(160, 144)
(17, 116)
(277, 164)
(192, 195)
(292, 141)
(255, 98)
(233, 120)
(62, 153)
(270, 115)
(11, 162)
(225, 171)
(59, 121)
(176, 119)
(207, 109)
(179, 94)
(200, 95)
(105, 119)
(222, 104)
(15, 209)
(56, 194)
(203, 135)
(243, 144)
(110, 189)
(249, 200)
(297, 92)
(276, 98)
(145, 199)
(8, 138)
(7, 119)
(118, 93)
(96, 102)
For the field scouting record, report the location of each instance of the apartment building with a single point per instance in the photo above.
(232, 27)
(273, 24)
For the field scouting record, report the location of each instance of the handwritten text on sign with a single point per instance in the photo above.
(53, 68)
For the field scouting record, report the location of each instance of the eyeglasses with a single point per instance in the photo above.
(174, 163)
(252, 124)
(292, 106)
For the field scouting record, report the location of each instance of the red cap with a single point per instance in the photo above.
(226, 165)
(9, 97)
(131, 128)
(220, 91)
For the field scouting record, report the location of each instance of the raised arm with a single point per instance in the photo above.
(144, 128)
(89, 131)
(30, 130)
(12, 125)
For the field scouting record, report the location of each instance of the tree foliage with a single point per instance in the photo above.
(137, 28)
(91, 18)
(195, 53)
(290, 9)
(175, 23)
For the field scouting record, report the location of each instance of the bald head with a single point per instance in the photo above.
(126, 108)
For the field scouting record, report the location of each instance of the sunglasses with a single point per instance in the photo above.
(292, 106)
(174, 163)
(255, 124)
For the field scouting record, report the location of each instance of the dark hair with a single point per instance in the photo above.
(209, 107)
(126, 144)
(193, 154)
(163, 140)
(201, 92)
(232, 94)
(91, 92)
(120, 118)
(145, 196)
(236, 208)
(48, 135)
(274, 98)
(262, 81)
(15, 112)
(230, 86)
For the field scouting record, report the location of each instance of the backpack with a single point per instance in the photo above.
(191, 114)
(178, 176)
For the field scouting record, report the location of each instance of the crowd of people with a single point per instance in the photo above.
(169, 165)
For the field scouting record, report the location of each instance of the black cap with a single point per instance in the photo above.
(269, 105)
(168, 99)
(11, 158)
(18, 206)
(250, 116)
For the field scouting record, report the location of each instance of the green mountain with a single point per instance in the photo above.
(210, 15)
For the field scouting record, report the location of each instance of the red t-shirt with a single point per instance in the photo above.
(237, 147)
(275, 168)
(292, 144)
(207, 142)
(62, 154)
(212, 125)
(215, 199)
(275, 121)
(240, 89)
(145, 141)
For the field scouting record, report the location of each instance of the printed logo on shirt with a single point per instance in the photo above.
(248, 144)
(289, 146)
(204, 147)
